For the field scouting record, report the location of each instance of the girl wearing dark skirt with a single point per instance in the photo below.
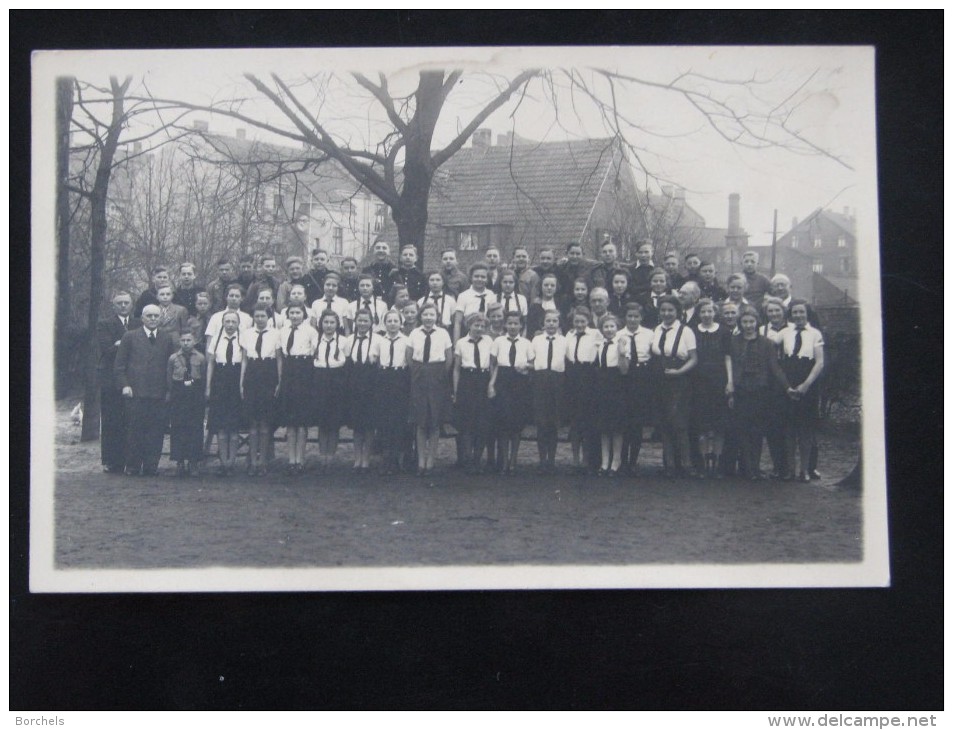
(261, 373)
(612, 363)
(549, 372)
(802, 359)
(330, 386)
(361, 386)
(471, 379)
(674, 352)
(710, 386)
(776, 322)
(296, 395)
(754, 370)
(185, 374)
(638, 385)
(223, 390)
(580, 362)
(509, 391)
(430, 359)
(391, 393)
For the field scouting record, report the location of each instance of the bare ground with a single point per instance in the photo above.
(107, 521)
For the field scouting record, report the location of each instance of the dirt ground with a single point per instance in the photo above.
(108, 521)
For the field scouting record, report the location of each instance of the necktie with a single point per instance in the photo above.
(549, 355)
(476, 353)
(327, 305)
(605, 353)
(427, 346)
(506, 304)
(291, 339)
(797, 343)
(655, 299)
(512, 353)
(261, 334)
(360, 348)
(482, 302)
(579, 336)
(125, 322)
(392, 351)
(229, 350)
(152, 338)
(327, 355)
(661, 342)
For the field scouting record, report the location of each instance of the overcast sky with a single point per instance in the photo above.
(827, 94)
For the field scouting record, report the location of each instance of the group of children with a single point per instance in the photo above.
(396, 370)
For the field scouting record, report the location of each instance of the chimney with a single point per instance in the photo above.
(200, 125)
(482, 138)
(504, 140)
(240, 133)
(734, 214)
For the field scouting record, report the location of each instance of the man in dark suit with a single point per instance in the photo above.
(109, 332)
(160, 278)
(140, 372)
(688, 295)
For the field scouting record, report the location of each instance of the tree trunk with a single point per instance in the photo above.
(64, 112)
(97, 257)
(411, 216)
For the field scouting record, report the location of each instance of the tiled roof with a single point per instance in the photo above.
(548, 184)
(834, 289)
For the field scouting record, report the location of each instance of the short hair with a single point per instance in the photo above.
(600, 291)
(781, 277)
(296, 305)
(757, 256)
(737, 277)
(658, 271)
(316, 251)
(434, 272)
(164, 286)
(410, 246)
(448, 250)
(365, 312)
(671, 255)
(607, 242)
(581, 311)
(380, 242)
(703, 264)
(348, 258)
(705, 302)
(395, 288)
(332, 276)
(160, 269)
(580, 280)
(259, 308)
(223, 261)
(690, 254)
(633, 307)
(302, 287)
(770, 300)
(549, 249)
(798, 303)
(186, 264)
(609, 317)
(293, 260)
(230, 313)
(520, 248)
(692, 286)
(202, 293)
(493, 247)
(669, 299)
(644, 242)
(513, 313)
(235, 285)
(475, 317)
(365, 277)
(551, 275)
(510, 273)
(573, 244)
(620, 272)
(266, 289)
(267, 257)
(749, 311)
(329, 313)
(479, 265)
(121, 293)
(495, 307)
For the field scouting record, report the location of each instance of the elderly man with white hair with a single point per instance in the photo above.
(781, 288)
(689, 294)
(140, 374)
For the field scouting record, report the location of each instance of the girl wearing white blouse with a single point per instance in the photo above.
(445, 303)
(223, 390)
(638, 385)
(261, 374)
(511, 358)
(580, 359)
(298, 343)
(471, 378)
(430, 358)
(361, 378)
(612, 363)
(549, 372)
(330, 385)
(802, 360)
(392, 393)
(673, 348)
(367, 299)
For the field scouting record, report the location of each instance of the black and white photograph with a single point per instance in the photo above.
(456, 318)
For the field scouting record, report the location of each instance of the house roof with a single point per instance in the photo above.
(835, 289)
(554, 184)
(843, 222)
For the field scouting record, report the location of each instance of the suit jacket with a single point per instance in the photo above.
(108, 332)
(650, 316)
(141, 364)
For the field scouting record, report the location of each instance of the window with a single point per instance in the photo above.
(379, 211)
(817, 241)
(338, 240)
(817, 267)
(468, 240)
(842, 242)
(845, 264)
(793, 240)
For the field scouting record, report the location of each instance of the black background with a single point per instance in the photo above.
(689, 649)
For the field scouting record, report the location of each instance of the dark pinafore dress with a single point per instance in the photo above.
(709, 380)
(609, 402)
(471, 410)
(802, 411)
(674, 397)
(577, 401)
(225, 410)
(261, 379)
(362, 379)
(392, 397)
